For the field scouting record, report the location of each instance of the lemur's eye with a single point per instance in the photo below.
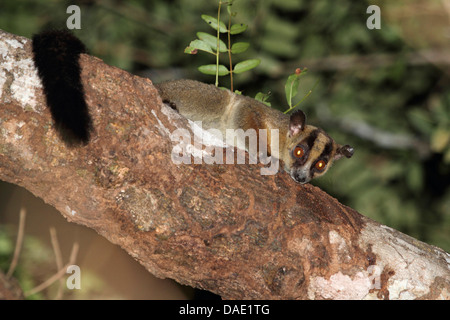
(320, 165)
(298, 152)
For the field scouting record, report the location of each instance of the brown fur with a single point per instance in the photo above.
(222, 109)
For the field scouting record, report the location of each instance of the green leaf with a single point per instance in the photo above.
(246, 65)
(190, 50)
(263, 97)
(238, 28)
(211, 69)
(199, 45)
(291, 87)
(239, 47)
(213, 23)
(212, 41)
(298, 103)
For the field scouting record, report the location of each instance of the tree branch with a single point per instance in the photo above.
(223, 228)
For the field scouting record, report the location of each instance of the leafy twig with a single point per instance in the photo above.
(215, 46)
(291, 88)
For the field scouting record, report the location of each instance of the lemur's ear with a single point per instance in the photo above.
(297, 122)
(346, 151)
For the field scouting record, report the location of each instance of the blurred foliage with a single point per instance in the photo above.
(407, 188)
(36, 262)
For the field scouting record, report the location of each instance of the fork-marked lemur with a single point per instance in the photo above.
(306, 151)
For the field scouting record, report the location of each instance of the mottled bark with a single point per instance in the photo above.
(223, 228)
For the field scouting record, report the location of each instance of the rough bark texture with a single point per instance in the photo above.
(223, 228)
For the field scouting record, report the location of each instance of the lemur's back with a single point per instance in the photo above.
(218, 108)
(196, 101)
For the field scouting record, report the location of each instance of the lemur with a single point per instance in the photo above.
(306, 151)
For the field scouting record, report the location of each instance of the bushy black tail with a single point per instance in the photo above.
(56, 56)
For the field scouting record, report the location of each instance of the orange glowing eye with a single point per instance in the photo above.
(320, 165)
(298, 152)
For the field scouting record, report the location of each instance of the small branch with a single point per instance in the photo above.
(229, 53)
(59, 261)
(218, 44)
(57, 275)
(19, 241)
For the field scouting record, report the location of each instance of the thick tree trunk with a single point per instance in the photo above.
(223, 228)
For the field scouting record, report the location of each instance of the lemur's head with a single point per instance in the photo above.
(311, 150)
